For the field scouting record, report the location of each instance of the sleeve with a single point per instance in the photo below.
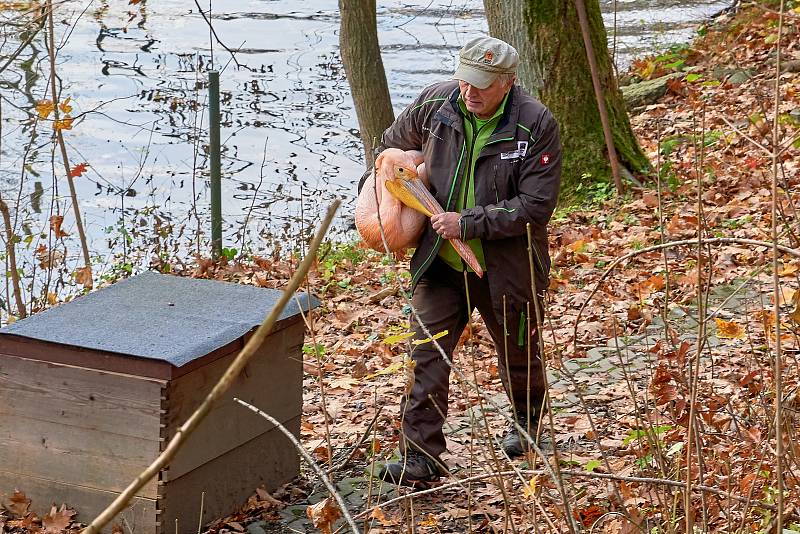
(538, 184)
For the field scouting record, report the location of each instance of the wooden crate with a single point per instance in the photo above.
(93, 390)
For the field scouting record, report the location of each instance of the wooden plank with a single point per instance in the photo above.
(11, 345)
(139, 517)
(272, 381)
(73, 455)
(80, 397)
(228, 480)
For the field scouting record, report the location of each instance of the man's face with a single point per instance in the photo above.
(484, 102)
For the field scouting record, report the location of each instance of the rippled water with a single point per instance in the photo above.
(135, 74)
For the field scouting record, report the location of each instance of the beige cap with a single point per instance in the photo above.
(482, 59)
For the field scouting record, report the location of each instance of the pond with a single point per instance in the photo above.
(134, 73)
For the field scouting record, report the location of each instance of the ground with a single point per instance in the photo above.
(627, 349)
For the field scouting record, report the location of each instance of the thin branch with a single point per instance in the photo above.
(87, 260)
(224, 383)
(317, 469)
(580, 7)
(214, 32)
(574, 473)
(777, 288)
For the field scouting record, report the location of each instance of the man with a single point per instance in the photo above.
(493, 159)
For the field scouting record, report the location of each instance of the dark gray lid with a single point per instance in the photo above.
(161, 317)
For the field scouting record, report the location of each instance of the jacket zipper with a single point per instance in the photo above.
(435, 249)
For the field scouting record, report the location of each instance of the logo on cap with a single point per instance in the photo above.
(488, 57)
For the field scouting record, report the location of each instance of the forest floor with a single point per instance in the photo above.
(622, 347)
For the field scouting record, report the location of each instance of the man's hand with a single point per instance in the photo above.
(447, 224)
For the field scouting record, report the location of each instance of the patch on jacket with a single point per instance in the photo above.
(522, 148)
(545, 159)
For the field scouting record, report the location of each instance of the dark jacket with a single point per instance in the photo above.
(517, 176)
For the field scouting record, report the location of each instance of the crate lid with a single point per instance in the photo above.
(161, 317)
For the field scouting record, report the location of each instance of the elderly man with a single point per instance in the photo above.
(493, 159)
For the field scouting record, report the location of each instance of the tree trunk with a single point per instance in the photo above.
(361, 56)
(554, 67)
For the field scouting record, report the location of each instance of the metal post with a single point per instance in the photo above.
(214, 148)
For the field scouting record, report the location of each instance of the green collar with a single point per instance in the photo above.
(471, 116)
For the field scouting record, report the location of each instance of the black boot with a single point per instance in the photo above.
(513, 443)
(415, 469)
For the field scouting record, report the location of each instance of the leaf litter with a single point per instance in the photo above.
(629, 419)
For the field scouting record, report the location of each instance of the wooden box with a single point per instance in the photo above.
(93, 390)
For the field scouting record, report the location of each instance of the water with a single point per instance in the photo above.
(135, 77)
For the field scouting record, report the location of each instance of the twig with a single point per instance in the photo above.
(87, 260)
(580, 7)
(358, 443)
(214, 32)
(25, 43)
(574, 473)
(777, 288)
(317, 469)
(224, 383)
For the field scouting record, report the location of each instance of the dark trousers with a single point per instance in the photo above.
(440, 299)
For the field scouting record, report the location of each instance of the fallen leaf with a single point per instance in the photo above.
(729, 329)
(794, 315)
(57, 520)
(324, 514)
(18, 504)
(429, 521)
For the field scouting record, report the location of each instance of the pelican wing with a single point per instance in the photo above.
(414, 194)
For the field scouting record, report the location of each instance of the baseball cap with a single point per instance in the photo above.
(482, 59)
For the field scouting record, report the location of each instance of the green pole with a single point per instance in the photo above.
(216, 183)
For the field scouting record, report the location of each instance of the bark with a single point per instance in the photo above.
(361, 56)
(554, 67)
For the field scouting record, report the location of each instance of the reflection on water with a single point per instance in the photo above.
(135, 74)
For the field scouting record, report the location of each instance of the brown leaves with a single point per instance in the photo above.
(55, 225)
(324, 514)
(83, 276)
(44, 108)
(57, 520)
(729, 329)
(18, 504)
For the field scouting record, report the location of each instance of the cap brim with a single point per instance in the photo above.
(477, 78)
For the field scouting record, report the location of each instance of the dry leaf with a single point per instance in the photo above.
(729, 329)
(378, 514)
(63, 124)
(55, 225)
(429, 521)
(44, 108)
(78, 170)
(57, 520)
(408, 369)
(794, 315)
(83, 276)
(18, 504)
(324, 514)
(64, 106)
